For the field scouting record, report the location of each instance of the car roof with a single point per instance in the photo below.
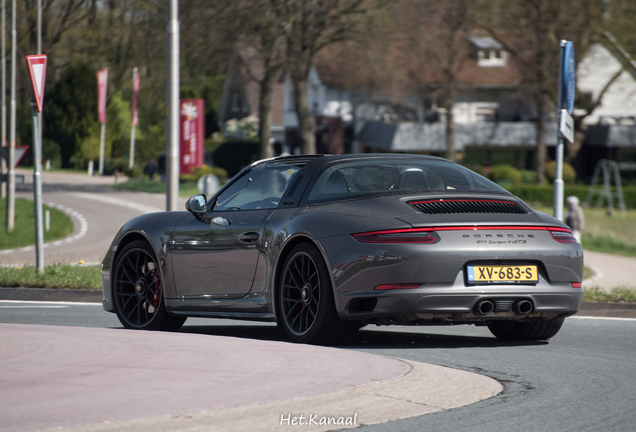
(314, 162)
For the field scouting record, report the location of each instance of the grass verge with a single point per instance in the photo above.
(186, 189)
(618, 295)
(24, 229)
(604, 233)
(54, 276)
(89, 277)
(608, 244)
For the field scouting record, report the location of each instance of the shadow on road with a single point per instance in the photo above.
(367, 338)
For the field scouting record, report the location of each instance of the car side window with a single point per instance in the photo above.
(260, 188)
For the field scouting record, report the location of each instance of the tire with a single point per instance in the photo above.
(138, 290)
(306, 309)
(520, 331)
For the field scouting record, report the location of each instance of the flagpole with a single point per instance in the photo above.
(102, 90)
(134, 118)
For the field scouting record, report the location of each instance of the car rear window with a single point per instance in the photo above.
(351, 179)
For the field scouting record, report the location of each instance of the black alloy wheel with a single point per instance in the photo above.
(300, 293)
(306, 307)
(138, 290)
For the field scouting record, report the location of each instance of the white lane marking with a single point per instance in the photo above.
(70, 212)
(50, 303)
(602, 318)
(120, 202)
(33, 307)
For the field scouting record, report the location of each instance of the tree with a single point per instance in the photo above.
(261, 48)
(71, 109)
(435, 34)
(531, 30)
(308, 26)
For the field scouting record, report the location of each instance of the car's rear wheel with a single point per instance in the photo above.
(138, 290)
(306, 309)
(533, 330)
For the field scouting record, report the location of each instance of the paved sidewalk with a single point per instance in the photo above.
(58, 178)
(90, 379)
(611, 270)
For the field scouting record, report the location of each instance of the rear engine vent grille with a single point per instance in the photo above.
(451, 206)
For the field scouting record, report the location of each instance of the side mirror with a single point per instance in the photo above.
(196, 205)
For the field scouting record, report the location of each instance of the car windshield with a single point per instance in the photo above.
(259, 188)
(350, 179)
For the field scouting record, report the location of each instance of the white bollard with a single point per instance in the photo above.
(90, 168)
(47, 220)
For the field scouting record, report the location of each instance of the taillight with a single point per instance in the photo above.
(414, 235)
(576, 284)
(562, 235)
(396, 286)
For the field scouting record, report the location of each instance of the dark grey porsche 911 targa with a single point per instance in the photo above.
(324, 245)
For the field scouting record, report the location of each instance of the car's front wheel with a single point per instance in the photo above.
(138, 290)
(533, 330)
(306, 308)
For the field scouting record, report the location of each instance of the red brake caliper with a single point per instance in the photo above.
(157, 296)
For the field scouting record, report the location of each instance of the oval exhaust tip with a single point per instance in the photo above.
(484, 307)
(522, 307)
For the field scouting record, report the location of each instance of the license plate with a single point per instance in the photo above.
(503, 274)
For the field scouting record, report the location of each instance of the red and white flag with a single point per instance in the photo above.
(102, 87)
(135, 92)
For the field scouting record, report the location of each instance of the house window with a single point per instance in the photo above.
(236, 102)
(490, 52)
(492, 58)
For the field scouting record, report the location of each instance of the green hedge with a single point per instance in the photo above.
(543, 194)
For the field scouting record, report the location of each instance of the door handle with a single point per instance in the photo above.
(220, 221)
(249, 237)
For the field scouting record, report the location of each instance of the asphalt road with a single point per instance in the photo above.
(582, 380)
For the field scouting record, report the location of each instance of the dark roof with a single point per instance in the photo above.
(485, 42)
(313, 163)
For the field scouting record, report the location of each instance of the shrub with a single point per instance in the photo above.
(134, 172)
(113, 164)
(528, 176)
(569, 174)
(199, 172)
(505, 173)
(245, 129)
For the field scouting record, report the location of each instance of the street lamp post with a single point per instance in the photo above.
(12, 131)
(172, 153)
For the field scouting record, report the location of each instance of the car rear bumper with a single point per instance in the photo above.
(459, 303)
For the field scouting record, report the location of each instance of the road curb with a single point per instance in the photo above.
(613, 310)
(54, 295)
(593, 309)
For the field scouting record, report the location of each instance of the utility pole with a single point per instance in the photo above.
(11, 170)
(172, 153)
